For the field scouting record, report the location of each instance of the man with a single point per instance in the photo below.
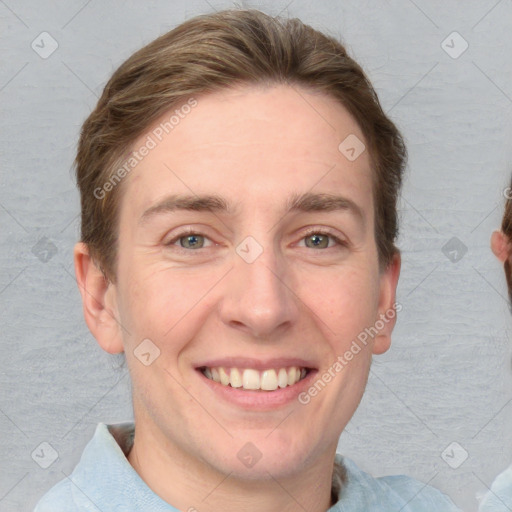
(499, 497)
(238, 185)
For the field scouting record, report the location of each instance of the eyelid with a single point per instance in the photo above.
(188, 232)
(339, 239)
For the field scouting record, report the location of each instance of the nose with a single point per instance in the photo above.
(258, 300)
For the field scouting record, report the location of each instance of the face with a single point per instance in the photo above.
(247, 256)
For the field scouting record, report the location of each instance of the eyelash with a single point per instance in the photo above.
(188, 232)
(322, 232)
(183, 234)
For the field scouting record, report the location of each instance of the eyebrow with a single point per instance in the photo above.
(205, 203)
(310, 202)
(307, 202)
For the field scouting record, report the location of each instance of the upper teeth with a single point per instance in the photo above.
(248, 378)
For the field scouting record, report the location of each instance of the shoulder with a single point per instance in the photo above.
(397, 492)
(499, 498)
(418, 495)
(102, 459)
(58, 499)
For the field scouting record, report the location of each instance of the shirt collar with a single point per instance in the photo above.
(104, 465)
(124, 434)
(104, 474)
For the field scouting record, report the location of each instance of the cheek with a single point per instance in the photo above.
(347, 303)
(164, 304)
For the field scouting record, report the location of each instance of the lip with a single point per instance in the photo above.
(257, 364)
(257, 400)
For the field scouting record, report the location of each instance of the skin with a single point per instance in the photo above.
(499, 245)
(254, 147)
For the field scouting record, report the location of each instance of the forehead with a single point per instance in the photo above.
(269, 141)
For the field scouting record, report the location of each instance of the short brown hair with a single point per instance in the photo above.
(218, 51)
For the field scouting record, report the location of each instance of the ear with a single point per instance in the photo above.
(499, 245)
(98, 299)
(388, 308)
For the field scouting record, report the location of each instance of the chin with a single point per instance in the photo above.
(259, 457)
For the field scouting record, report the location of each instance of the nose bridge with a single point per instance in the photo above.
(259, 301)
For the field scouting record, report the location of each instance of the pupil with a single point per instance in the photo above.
(318, 240)
(191, 241)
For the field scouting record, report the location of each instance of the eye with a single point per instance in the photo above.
(190, 240)
(319, 239)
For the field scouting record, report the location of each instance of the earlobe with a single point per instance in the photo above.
(499, 245)
(388, 307)
(98, 301)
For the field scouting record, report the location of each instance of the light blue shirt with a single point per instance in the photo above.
(105, 481)
(499, 498)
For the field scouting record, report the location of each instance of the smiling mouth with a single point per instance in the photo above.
(255, 380)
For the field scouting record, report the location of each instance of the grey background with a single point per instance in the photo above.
(447, 377)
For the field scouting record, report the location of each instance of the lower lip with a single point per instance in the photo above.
(256, 400)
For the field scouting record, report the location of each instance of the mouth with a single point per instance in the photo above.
(250, 379)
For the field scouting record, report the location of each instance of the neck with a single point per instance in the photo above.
(193, 485)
